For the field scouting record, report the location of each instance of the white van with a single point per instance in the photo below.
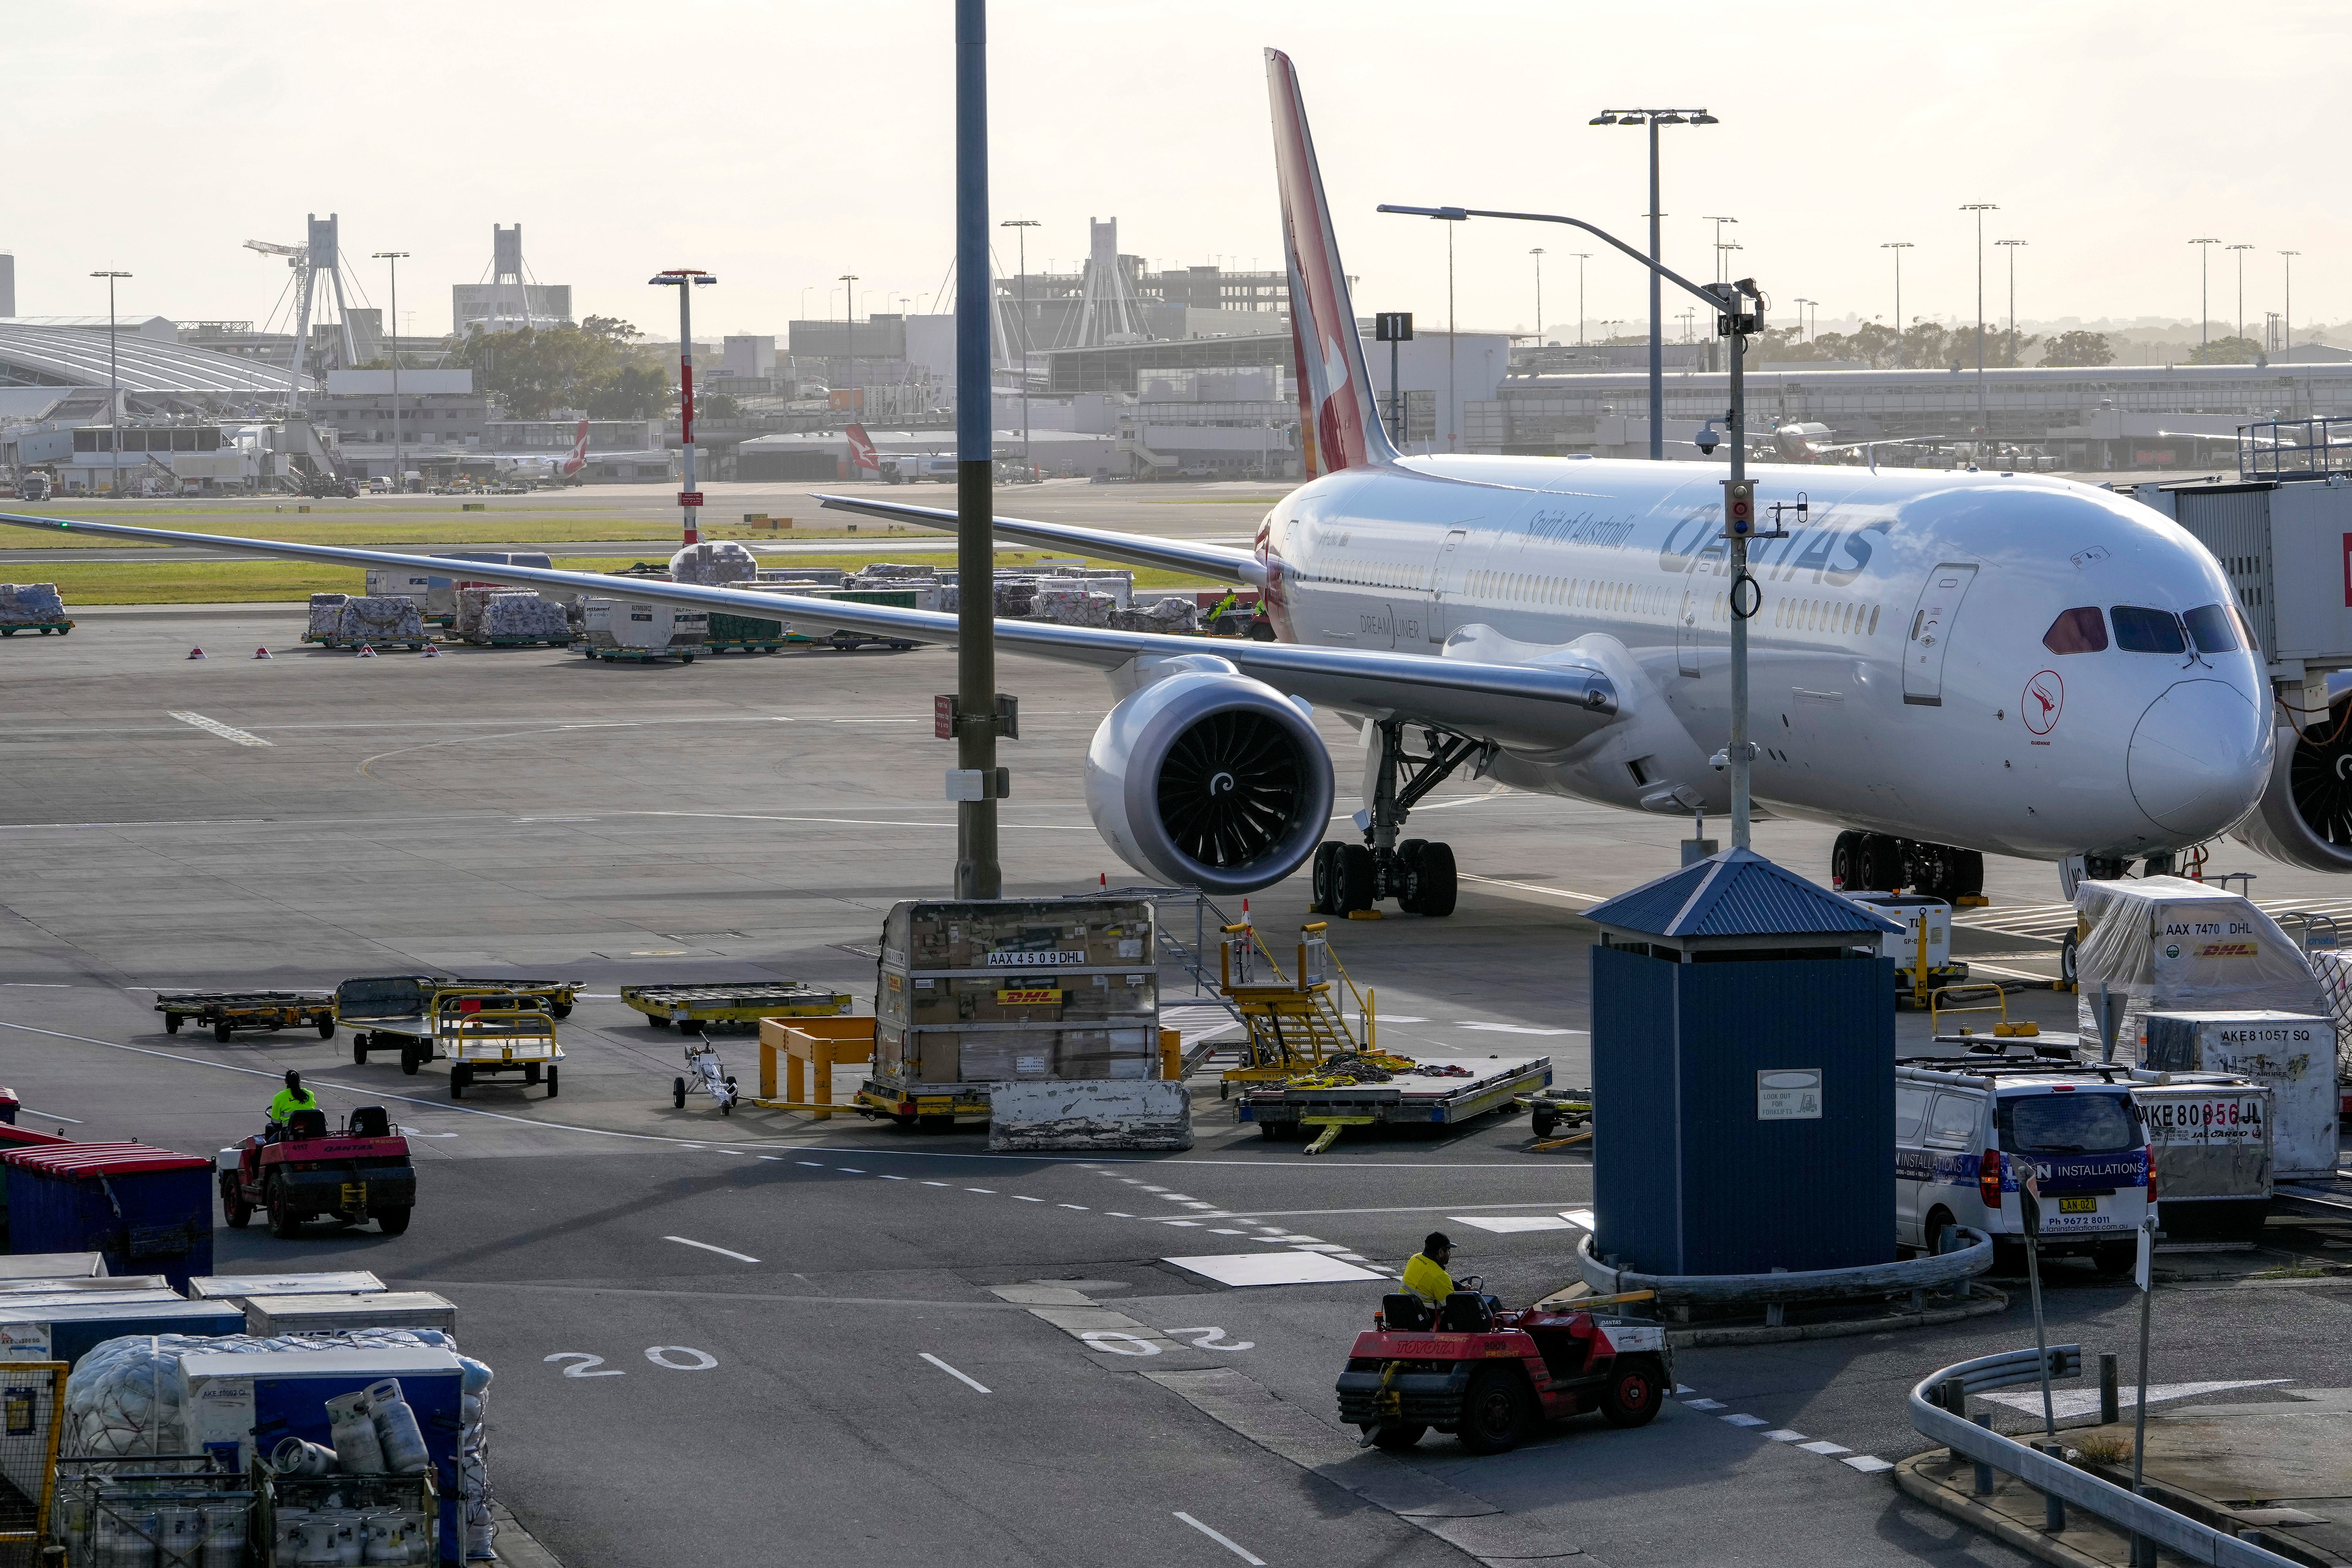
(1969, 1132)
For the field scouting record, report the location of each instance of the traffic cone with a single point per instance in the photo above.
(366, 652)
(433, 650)
(263, 653)
(196, 653)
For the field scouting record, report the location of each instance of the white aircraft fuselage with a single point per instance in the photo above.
(1900, 678)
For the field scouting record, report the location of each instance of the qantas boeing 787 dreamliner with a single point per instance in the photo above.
(1943, 664)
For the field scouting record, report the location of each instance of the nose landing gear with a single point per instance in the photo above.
(1418, 873)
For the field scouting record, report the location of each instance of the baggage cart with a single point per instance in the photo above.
(395, 999)
(226, 1011)
(751, 634)
(481, 1031)
(738, 1004)
(60, 626)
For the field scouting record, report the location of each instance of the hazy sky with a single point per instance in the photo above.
(780, 145)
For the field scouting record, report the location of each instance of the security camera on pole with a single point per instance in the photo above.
(685, 280)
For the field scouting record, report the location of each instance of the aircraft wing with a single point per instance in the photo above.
(1517, 705)
(1221, 562)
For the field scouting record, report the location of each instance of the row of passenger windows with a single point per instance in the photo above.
(2208, 628)
(1584, 593)
(1839, 617)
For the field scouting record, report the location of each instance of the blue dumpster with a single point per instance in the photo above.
(149, 1211)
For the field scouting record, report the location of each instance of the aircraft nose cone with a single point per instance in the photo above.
(2200, 757)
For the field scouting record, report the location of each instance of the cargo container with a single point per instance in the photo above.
(67, 1331)
(973, 993)
(325, 1314)
(239, 1287)
(642, 629)
(2293, 1053)
(148, 1210)
(2211, 1134)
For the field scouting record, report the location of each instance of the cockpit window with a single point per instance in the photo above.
(2209, 626)
(2140, 630)
(2077, 631)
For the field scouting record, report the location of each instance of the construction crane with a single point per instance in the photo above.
(320, 258)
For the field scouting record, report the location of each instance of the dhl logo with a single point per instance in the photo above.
(2226, 950)
(1045, 997)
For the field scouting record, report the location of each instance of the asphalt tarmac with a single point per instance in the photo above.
(756, 1338)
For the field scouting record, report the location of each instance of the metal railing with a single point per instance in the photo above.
(2054, 1477)
(2294, 449)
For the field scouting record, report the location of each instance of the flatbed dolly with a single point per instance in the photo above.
(1550, 1107)
(1406, 1099)
(44, 627)
(229, 1011)
(738, 1003)
(480, 1031)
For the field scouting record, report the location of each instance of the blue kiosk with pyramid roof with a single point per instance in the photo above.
(1743, 1075)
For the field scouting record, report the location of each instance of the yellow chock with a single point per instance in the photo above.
(1365, 915)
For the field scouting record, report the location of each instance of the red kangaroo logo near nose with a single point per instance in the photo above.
(2046, 694)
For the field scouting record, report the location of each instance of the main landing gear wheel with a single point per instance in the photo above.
(1418, 873)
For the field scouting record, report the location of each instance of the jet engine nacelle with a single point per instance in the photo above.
(1206, 778)
(2304, 817)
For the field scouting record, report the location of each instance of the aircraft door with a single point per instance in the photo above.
(1931, 632)
(1444, 583)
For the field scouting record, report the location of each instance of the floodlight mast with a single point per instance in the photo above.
(1739, 310)
(683, 279)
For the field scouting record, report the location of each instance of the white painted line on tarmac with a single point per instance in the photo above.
(1532, 888)
(1747, 1421)
(1116, 1215)
(723, 1252)
(1824, 1447)
(51, 1116)
(226, 731)
(1868, 1464)
(851, 1170)
(1785, 1434)
(1080, 1208)
(1706, 1404)
(1026, 1198)
(990, 1191)
(812, 1164)
(938, 1184)
(968, 1382)
(1238, 1550)
(888, 1178)
(1513, 1028)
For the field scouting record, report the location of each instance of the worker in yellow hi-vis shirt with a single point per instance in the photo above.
(1425, 1272)
(291, 1099)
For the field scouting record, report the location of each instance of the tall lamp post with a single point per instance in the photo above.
(2012, 246)
(399, 469)
(1739, 311)
(1581, 257)
(113, 389)
(1984, 414)
(1020, 228)
(1719, 258)
(686, 279)
(2204, 291)
(1899, 247)
(2240, 252)
(1800, 304)
(1539, 254)
(1653, 117)
(976, 784)
(2286, 317)
(848, 281)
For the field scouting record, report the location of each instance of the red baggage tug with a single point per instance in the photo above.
(358, 1173)
(1492, 1376)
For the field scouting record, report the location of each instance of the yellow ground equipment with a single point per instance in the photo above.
(739, 1003)
(1294, 1026)
(481, 1036)
(1938, 1010)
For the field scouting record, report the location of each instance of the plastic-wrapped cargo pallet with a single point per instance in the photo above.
(2168, 944)
(30, 604)
(510, 614)
(1061, 993)
(714, 564)
(326, 614)
(129, 1396)
(393, 618)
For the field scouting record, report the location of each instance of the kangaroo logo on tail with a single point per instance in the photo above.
(578, 459)
(1340, 425)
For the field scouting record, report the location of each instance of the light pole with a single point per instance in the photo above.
(2286, 317)
(2204, 293)
(2012, 245)
(1800, 304)
(2241, 250)
(1581, 257)
(1739, 314)
(1653, 117)
(848, 281)
(1984, 415)
(1899, 247)
(1020, 228)
(686, 279)
(1718, 223)
(1452, 408)
(976, 784)
(113, 390)
(399, 469)
(1539, 254)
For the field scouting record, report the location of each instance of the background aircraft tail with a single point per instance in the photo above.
(578, 459)
(1341, 423)
(862, 455)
